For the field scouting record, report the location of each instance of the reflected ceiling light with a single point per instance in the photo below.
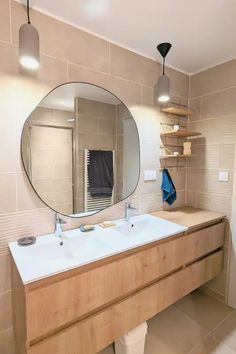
(163, 85)
(29, 44)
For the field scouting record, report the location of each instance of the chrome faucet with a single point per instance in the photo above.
(58, 225)
(128, 208)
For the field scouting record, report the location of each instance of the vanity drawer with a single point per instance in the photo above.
(99, 330)
(53, 306)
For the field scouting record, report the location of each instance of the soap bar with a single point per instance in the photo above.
(106, 224)
(86, 228)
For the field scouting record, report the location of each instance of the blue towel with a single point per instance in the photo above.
(168, 188)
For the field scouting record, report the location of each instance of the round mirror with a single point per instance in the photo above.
(80, 150)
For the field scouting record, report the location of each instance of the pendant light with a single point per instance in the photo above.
(29, 44)
(163, 85)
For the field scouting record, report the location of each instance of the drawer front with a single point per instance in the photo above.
(55, 305)
(91, 335)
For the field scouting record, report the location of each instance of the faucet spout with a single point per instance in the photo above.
(128, 208)
(58, 226)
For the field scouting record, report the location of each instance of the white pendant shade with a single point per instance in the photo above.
(163, 89)
(29, 46)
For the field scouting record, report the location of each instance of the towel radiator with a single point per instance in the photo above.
(96, 203)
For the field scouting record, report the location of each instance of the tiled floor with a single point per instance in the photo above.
(197, 324)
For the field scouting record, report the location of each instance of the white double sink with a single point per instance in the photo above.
(47, 257)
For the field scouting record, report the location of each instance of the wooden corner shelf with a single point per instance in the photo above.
(175, 156)
(178, 111)
(180, 134)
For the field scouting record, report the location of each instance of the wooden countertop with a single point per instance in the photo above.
(190, 217)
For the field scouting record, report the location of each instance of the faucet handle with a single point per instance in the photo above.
(59, 220)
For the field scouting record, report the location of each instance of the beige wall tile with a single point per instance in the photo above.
(10, 152)
(226, 156)
(206, 180)
(148, 96)
(5, 21)
(134, 67)
(8, 192)
(6, 311)
(219, 104)
(215, 202)
(128, 92)
(87, 50)
(215, 131)
(24, 223)
(179, 82)
(196, 105)
(204, 156)
(217, 78)
(151, 202)
(191, 198)
(5, 273)
(7, 342)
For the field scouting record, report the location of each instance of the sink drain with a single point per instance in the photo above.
(26, 241)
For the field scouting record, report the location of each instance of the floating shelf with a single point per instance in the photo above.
(180, 134)
(175, 156)
(178, 111)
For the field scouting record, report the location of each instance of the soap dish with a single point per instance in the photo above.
(26, 241)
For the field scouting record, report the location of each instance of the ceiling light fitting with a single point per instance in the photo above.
(29, 44)
(163, 84)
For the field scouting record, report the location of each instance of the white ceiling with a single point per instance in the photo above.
(203, 32)
(63, 96)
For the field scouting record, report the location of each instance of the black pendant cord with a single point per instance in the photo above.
(28, 12)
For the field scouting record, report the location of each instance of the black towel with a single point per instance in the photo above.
(100, 173)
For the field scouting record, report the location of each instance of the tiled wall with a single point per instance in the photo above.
(81, 58)
(212, 94)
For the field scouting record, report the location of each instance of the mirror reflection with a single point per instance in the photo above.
(80, 149)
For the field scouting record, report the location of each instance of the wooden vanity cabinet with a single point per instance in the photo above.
(83, 310)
